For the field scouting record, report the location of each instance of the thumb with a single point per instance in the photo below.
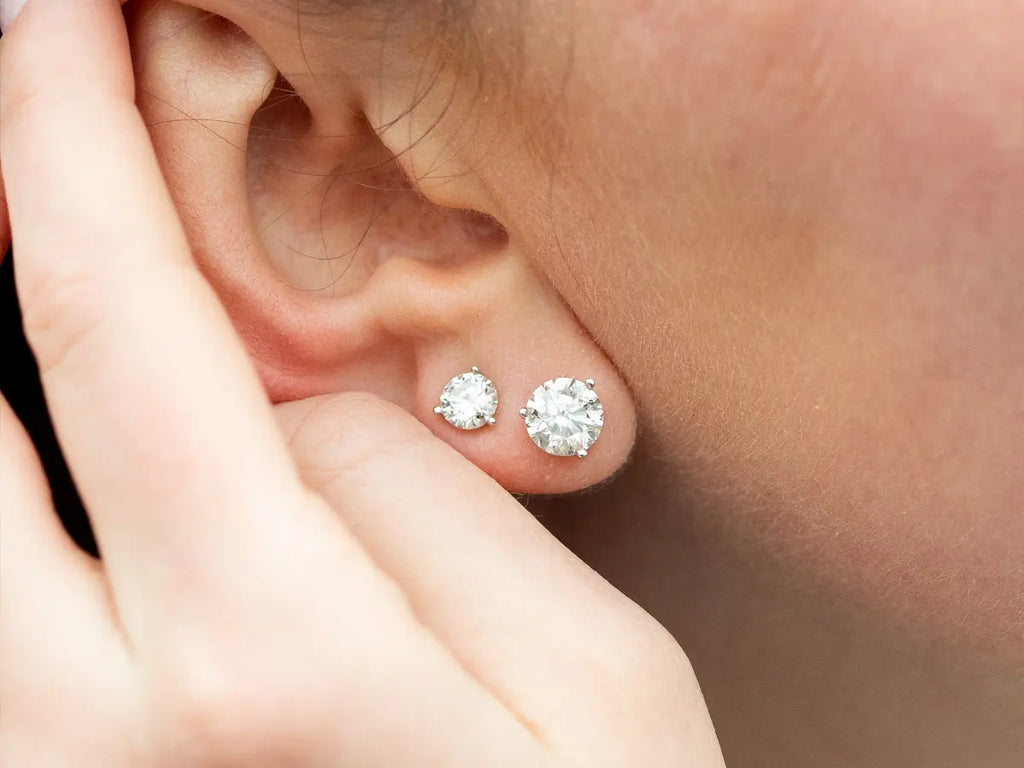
(520, 611)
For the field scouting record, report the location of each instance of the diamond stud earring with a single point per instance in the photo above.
(564, 416)
(468, 401)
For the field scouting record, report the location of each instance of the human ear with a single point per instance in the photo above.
(338, 271)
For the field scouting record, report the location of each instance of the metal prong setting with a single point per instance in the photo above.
(470, 388)
(564, 416)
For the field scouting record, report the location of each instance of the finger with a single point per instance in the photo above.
(59, 652)
(5, 222)
(156, 405)
(40, 562)
(47, 584)
(62, 659)
(519, 610)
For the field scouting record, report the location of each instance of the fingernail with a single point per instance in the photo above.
(9, 10)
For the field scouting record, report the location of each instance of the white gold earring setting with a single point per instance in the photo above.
(564, 416)
(469, 401)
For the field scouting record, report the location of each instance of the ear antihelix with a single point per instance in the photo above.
(229, 72)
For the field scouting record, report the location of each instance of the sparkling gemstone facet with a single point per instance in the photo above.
(564, 416)
(469, 401)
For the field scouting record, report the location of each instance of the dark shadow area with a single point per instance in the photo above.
(19, 382)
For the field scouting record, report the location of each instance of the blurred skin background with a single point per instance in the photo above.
(795, 229)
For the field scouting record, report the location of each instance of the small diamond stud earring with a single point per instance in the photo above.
(469, 401)
(564, 416)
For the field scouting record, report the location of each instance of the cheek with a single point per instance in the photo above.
(822, 110)
(818, 180)
(796, 230)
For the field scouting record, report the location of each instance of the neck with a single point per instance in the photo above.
(793, 662)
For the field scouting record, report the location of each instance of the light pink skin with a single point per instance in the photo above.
(785, 239)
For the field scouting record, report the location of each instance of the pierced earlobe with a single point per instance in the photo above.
(564, 416)
(469, 401)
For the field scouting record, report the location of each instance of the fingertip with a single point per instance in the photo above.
(346, 424)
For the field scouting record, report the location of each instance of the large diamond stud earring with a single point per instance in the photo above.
(564, 416)
(469, 401)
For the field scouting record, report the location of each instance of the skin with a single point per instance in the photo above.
(785, 238)
(272, 591)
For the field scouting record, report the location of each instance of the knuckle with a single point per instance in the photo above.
(221, 705)
(63, 308)
(669, 657)
(30, 104)
(21, 87)
(647, 658)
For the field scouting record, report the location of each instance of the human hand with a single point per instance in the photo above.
(339, 588)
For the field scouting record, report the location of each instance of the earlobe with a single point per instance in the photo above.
(339, 275)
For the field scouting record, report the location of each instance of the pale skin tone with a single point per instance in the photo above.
(784, 238)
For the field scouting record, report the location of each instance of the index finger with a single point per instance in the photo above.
(164, 422)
